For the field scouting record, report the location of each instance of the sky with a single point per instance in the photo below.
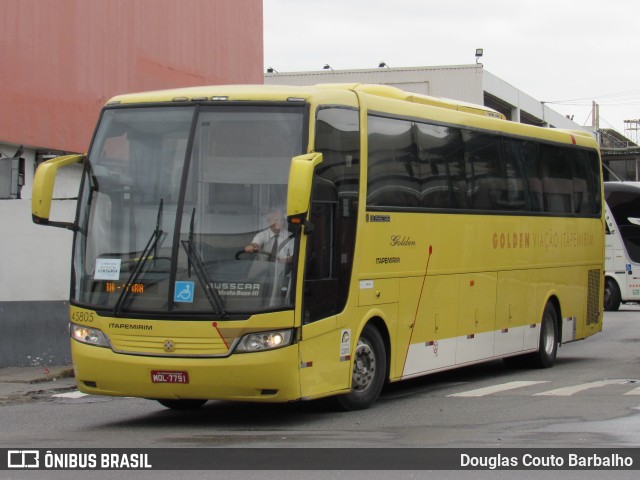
(567, 53)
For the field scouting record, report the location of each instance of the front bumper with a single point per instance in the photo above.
(270, 376)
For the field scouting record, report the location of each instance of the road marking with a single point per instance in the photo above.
(481, 392)
(635, 391)
(568, 391)
(74, 394)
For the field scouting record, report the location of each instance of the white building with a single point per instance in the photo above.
(36, 263)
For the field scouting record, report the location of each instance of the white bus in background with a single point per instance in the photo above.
(622, 244)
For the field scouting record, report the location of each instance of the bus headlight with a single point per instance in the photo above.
(259, 342)
(90, 336)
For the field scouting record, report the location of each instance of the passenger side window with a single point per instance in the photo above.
(486, 172)
(394, 171)
(586, 189)
(414, 165)
(523, 172)
(443, 182)
(557, 179)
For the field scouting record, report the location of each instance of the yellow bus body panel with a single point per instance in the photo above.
(477, 290)
(323, 370)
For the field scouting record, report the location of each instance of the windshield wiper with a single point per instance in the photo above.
(152, 245)
(201, 272)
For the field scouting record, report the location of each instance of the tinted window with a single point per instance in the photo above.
(394, 170)
(443, 182)
(523, 167)
(414, 165)
(557, 179)
(420, 165)
(333, 214)
(486, 172)
(586, 187)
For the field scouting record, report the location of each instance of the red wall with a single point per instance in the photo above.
(63, 59)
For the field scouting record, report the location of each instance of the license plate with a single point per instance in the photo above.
(164, 376)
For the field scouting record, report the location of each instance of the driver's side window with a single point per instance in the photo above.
(333, 214)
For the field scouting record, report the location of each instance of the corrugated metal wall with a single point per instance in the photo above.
(62, 59)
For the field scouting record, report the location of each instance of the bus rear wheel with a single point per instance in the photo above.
(369, 370)
(611, 295)
(545, 357)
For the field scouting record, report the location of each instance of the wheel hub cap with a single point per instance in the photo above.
(364, 366)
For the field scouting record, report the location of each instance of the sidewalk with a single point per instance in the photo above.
(23, 383)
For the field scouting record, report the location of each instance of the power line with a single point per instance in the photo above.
(620, 98)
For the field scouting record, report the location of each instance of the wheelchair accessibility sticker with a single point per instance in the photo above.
(184, 292)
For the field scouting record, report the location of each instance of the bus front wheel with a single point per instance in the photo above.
(369, 370)
(611, 295)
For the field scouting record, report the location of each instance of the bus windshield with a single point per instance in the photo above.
(182, 210)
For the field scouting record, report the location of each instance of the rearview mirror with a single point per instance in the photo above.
(43, 183)
(300, 182)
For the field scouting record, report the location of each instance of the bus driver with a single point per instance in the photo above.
(273, 240)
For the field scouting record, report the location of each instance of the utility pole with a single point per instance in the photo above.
(595, 115)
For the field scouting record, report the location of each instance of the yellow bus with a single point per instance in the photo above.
(273, 244)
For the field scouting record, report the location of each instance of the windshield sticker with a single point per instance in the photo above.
(345, 345)
(237, 289)
(184, 292)
(107, 269)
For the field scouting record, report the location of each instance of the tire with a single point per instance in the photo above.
(183, 405)
(545, 357)
(612, 295)
(369, 371)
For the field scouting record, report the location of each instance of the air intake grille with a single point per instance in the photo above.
(593, 296)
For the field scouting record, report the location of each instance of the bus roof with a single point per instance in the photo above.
(217, 92)
(283, 93)
(387, 91)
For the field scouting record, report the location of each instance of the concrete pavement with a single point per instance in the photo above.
(21, 384)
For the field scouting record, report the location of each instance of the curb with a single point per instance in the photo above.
(65, 373)
(23, 384)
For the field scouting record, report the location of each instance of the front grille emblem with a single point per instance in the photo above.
(169, 346)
